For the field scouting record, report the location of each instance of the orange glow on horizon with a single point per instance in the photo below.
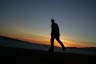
(47, 41)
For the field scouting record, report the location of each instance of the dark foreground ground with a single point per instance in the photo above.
(13, 51)
(26, 56)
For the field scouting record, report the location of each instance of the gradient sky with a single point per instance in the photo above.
(30, 20)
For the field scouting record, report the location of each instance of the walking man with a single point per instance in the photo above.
(55, 34)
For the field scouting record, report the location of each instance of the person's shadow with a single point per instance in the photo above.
(55, 34)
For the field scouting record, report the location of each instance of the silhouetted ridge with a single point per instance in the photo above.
(8, 38)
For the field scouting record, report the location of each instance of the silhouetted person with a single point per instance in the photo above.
(55, 34)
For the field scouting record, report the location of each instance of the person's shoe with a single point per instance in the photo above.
(64, 48)
(51, 50)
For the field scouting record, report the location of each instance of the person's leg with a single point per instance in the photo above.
(52, 44)
(58, 39)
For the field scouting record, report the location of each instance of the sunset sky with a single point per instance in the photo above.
(29, 20)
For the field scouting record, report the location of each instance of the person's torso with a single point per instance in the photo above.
(55, 29)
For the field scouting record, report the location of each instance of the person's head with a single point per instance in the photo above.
(52, 21)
